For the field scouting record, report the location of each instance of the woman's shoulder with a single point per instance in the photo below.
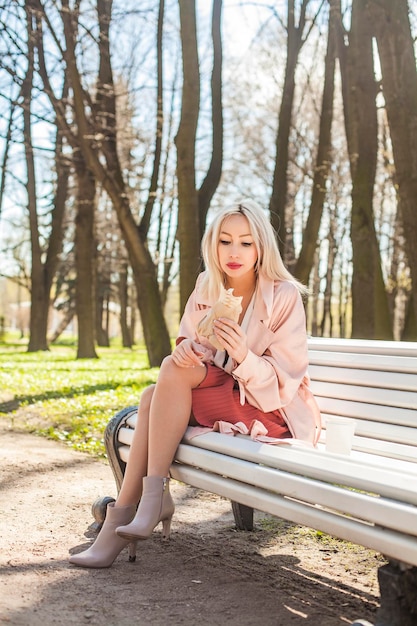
(201, 288)
(286, 292)
(284, 286)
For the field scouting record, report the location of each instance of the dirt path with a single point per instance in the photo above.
(208, 574)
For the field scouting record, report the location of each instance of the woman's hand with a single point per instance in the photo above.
(232, 338)
(188, 353)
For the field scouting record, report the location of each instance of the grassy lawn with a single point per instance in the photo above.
(63, 398)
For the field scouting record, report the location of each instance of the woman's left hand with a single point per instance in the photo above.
(232, 338)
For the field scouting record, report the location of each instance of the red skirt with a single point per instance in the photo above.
(218, 399)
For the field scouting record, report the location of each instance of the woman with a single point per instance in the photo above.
(259, 378)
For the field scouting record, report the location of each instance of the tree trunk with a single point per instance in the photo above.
(101, 288)
(326, 326)
(85, 260)
(188, 207)
(214, 172)
(305, 260)
(123, 300)
(192, 204)
(391, 26)
(149, 302)
(42, 273)
(279, 193)
(370, 310)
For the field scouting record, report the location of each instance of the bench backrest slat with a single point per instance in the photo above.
(374, 383)
(376, 362)
(367, 378)
(385, 432)
(361, 410)
(364, 346)
(369, 395)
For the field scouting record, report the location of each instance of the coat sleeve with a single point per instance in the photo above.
(276, 364)
(187, 328)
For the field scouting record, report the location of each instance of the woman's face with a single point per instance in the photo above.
(236, 247)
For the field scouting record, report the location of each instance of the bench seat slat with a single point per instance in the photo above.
(390, 543)
(363, 506)
(377, 442)
(359, 471)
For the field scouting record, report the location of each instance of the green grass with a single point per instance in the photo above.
(67, 399)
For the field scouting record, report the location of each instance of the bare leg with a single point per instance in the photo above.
(163, 415)
(170, 413)
(136, 468)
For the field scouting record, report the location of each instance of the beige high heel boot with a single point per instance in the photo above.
(156, 505)
(108, 545)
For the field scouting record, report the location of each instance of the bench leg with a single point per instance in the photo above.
(243, 516)
(398, 585)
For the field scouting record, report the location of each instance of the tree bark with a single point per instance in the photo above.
(110, 175)
(188, 207)
(85, 260)
(124, 301)
(193, 204)
(370, 309)
(391, 26)
(279, 192)
(305, 259)
(212, 178)
(38, 320)
(42, 272)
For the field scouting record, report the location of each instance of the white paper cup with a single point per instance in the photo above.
(339, 435)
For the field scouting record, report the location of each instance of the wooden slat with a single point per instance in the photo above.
(368, 508)
(364, 346)
(370, 395)
(387, 449)
(388, 542)
(362, 410)
(395, 382)
(376, 362)
(359, 471)
(385, 432)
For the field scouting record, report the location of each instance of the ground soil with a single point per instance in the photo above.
(207, 574)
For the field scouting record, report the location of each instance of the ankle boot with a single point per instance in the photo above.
(156, 505)
(108, 545)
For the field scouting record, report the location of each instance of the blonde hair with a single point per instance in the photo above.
(269, 262)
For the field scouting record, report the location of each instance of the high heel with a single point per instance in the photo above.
(156, 505)
(108, 545)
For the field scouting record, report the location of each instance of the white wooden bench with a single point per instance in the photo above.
(368, 498)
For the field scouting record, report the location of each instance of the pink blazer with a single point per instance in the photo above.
(274, 373)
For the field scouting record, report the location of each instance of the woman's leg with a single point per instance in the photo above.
(108, 545)
(137, 464)
(163, 415)
(170, 413)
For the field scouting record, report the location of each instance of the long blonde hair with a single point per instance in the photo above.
(269, 262)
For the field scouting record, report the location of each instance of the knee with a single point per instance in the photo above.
(146, 397)
(168, 368)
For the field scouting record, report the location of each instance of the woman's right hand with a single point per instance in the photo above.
(188, 353)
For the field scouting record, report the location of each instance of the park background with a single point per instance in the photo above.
(123, 127)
